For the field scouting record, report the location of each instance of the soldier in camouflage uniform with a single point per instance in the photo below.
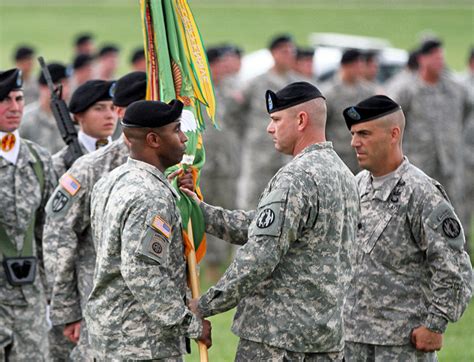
(137, 309)
(290, 277)
(437, 110)
(259, 161)
(27, 180)
(411, 274)
(347, 88)
(38, 124)
(92, 108)
(69, 250)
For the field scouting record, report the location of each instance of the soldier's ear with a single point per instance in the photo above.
(302, 119)
(152, 139)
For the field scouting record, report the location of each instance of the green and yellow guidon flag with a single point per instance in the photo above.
(177, 68)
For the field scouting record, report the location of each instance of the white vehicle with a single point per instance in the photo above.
(327, 55)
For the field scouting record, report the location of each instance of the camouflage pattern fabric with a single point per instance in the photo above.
(258, 152)
(69, 248)
(137, 309)
(340, 95)
(23, 327)
(410, 268)
(290, 278)
(40, 127)
(356, 352)
(58, 160)
(255, 351)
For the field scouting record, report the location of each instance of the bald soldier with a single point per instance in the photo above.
(289, 279)
(137, 310)
(69, 249)
(411, 273)
(27, 180)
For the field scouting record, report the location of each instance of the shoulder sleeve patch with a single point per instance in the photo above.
(59, 203)
(162, 226)
(268, 217)
(154, 246)
(445, 222)
(70, 184)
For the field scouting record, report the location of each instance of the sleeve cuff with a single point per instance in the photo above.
(436, 323)
(193, 326)
(61, 316)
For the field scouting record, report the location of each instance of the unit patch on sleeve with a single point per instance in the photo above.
(154, 246)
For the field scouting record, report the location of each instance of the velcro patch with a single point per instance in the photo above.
(70, 184)
(268, 220)
(162, 226)
(59, 203)
(155, 246)
(451, 227)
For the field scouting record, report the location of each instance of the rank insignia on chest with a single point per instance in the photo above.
(160, 225)
(70, 184)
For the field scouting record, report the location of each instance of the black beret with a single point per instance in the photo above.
(89, 93)
(280, 40)
(130, 88)
(429, 45)
(152, 114)
(57, 71)
(214, 53)
(23, 52)
(412, 62)
(369, 109)
(304, 53)
(108, 49)
(291, 95)
(137, 55)
(370, 55)
(10, 80)
(81, 60)
(351, 56)
(83, 38)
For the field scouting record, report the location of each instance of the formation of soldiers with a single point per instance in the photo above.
(330, 264)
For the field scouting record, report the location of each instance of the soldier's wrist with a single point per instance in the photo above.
(192, 325)
(436, 323)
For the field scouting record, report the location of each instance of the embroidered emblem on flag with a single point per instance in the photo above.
(70, 184)
(160, 225)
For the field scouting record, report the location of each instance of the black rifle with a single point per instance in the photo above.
(63, 118)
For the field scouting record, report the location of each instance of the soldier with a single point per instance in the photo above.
(25, 61)
(138, 60)
(406, 75)
(38, 124)
(92, 108)
(84, 44)
(82, 70)
(69, 250)
(371, 66)
(27, 180)
(411, 274)
(346, 88)
(304, 64)
(107, 62)
(289, 280)
(437, 110)
(252, 123)
(136, 309)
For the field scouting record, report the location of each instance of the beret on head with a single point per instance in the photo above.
(370, 109)
(429, 45)
(57, 71)
(137, 55)
(292, 95)
(23, 52)
(10, 80)
(130, 88)
(83, 38)
(108, 49)
(280, 40)
(351, 56)
(152, 114)
(91, 92)
(81, 60)
(302, 53)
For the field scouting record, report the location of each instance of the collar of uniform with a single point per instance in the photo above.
(154, 171)
(315, 147)
(89, 142)
(13, 155)
(387, 187)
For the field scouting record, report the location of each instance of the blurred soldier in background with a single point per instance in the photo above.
(84, 44)
(436, 109)
(259, 162)
(348, 87)
(82, 70)
(92, 109)
(406, 75)
(138, 61)
(27, 179)
(38, 123)
(371, 66)
(25, 61)
(304, 64)
(107, 62)
(68, 247)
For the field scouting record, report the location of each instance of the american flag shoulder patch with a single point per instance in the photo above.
(162, 226)
(70, 184)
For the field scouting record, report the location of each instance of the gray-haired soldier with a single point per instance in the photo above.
(411, 273)
(289, 280)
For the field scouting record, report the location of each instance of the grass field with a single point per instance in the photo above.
(50, 26)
